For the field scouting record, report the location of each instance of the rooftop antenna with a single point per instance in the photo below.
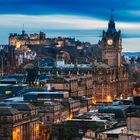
(23, 31)
(112, 10)
(23, 27)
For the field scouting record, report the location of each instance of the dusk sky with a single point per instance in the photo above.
(83, 19)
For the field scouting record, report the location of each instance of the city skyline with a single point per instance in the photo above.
(69, 70)
(58, 17)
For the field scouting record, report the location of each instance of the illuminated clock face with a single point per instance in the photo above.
(109, 42)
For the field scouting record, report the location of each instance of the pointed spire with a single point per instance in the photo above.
(23, 27)
(111, 24)
(23, 31)
(112, 10)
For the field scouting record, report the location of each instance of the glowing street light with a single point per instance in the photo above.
(109, 98)
(70, 117)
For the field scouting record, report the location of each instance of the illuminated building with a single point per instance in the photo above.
(50, 113)
(110, 76)
(73, 106)
(10, 127)
(18, 121)
(20, 40)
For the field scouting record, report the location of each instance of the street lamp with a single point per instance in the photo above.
(94, 93)
(109, 99)
(102, 92)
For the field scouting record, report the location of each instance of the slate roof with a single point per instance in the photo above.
(23, 106)
(18, 105)
(8, 111)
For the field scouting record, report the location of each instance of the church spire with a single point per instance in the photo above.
(111, 24)
(23, 31)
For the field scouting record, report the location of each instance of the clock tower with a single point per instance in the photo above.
(111, 45)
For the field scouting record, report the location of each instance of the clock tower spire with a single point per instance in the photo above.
(111, 44)
(111, 24)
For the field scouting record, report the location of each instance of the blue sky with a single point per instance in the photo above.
(53, 15)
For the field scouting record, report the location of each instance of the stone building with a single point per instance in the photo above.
(23, 39)
(76, 85)
(18, 121)
(7, 59)
(132, 131)
(110, 77)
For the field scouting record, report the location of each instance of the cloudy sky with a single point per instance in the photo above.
(83, 19)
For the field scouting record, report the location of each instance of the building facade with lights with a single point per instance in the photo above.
(18, 121)
(110, 77)
(23, 39)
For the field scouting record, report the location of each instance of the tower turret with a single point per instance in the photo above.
(111, 24)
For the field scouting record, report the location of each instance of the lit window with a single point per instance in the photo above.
(8, 92)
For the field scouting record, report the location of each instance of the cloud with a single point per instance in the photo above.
(131, 45)
(59, 22)
(51, 22)
(89, 8)
(67, 14)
